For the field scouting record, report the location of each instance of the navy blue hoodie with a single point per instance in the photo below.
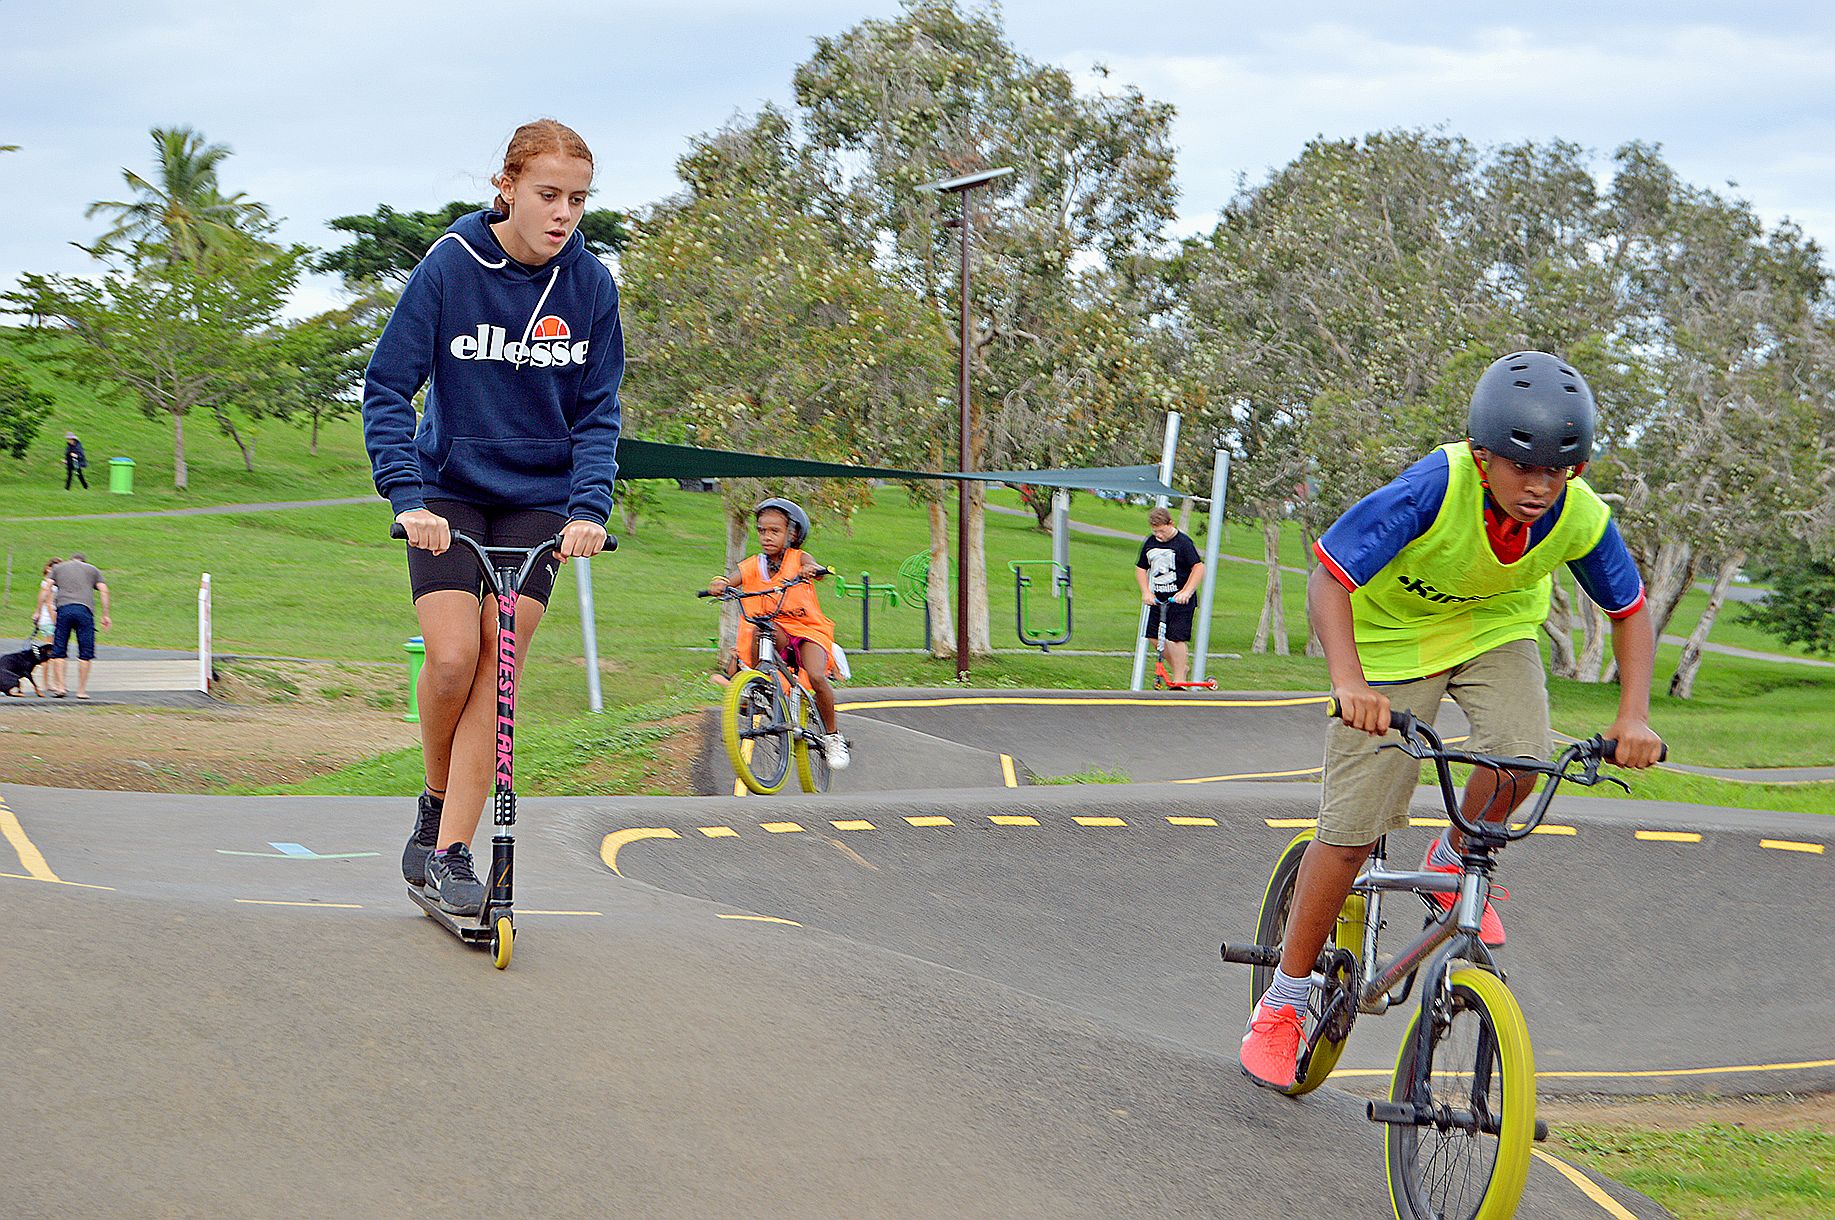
(522, 366)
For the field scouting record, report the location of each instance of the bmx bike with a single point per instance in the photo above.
(1460, 1115)
(768, 720)
(505, 570)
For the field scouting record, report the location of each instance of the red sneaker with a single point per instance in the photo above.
(1490, 927)
(1271, 1047)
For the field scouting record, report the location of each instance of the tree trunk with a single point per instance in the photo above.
(979, 641)
(737, 520)
(1274, 611)
(1593, 646)
(1670, 576)
(1038, 499)
(315, 437)
(628, 516)
(1185, 516)
(180, 479)
(228, 425)
(1682, 685)
(1560, 628)
(936, 588)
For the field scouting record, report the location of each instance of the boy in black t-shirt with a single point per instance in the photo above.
(1169, 568)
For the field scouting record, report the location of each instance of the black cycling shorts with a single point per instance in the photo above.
(458, 567)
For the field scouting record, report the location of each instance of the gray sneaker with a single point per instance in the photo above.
(450, 879)
(421, 841)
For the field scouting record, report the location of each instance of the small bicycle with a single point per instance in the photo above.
(1460, 1115)
(1162, 679)
(766, 720)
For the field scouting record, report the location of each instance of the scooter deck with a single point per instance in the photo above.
(472, 929)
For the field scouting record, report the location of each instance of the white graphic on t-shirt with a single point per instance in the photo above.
(1163, 569)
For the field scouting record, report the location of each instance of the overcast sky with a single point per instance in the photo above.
(334, 107)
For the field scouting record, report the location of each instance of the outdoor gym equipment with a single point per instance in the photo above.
(505, 569)
(1042, 638)
(1161, 678)
(866, 591)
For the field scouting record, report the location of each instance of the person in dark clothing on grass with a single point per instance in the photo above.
(75, 461)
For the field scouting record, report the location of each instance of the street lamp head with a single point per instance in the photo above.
(966, 181)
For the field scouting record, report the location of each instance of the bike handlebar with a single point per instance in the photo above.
(733, 594)
(1420, 741)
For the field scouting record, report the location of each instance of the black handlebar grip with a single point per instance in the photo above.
(398, 530)
(1608, 750)
(1400, 722)
(704, 593)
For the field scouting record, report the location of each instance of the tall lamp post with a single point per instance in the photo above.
(962, 186)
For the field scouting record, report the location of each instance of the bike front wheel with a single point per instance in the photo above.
(1327, 1035)
(1467, 1155)
(756, 727)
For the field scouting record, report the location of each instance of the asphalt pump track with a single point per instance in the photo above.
(982, 1000)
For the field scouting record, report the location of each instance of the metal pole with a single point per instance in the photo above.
(589, 632)
(866, 612)
(1060, 535)
(204, 634)
(962, 492)
(1139, 674)
(1213, 539)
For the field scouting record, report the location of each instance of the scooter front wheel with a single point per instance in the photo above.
(503, 940)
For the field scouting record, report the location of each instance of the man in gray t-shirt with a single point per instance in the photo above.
(78, 583)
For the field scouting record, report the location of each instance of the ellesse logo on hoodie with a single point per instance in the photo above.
(548, 345)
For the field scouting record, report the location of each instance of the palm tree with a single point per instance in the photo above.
(183, 214)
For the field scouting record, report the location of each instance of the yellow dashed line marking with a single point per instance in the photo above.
(1006, 771)
(761, 919)
(1013, 819)
(608, 846)
(1669, 836)
(520, 911)
(1178, 821)
(930, 820)
(719, 832)
(1094, 821)
(30, 858)
(1554, 830)
(1429, 822)
(275, 902)
(1290, 823)
(780, 828)
(1814, 849)
(855, 824)
(1586, 1185)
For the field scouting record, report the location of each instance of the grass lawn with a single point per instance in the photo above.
(1716, 1171)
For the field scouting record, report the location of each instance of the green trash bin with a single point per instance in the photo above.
(121, 476)
(416, 648)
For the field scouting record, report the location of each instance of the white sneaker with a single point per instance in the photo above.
(834, 750)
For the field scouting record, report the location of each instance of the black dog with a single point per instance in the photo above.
(16, 668)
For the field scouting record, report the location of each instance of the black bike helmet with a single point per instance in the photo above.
(1533, 408)
(799, 520)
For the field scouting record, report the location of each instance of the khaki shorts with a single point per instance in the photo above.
(1503, 693)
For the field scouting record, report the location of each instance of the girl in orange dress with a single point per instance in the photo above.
(802, 632)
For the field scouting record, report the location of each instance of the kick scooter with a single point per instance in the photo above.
(505, 569)
(1161, 677)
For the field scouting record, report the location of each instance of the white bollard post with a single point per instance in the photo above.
(1213, 540)
(589, 632)
(1138, 677)
(204, 634)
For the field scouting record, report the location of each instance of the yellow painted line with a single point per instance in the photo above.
(1217, 779)
(1066, 701)
(1092, 821)
(761, 919)
(1641, 1073)
(854, 824)
(1290, 823)
(608, 846)
(1179, 821)
(738, 786)
(780, 828)
(274, 902)
(745, 752)
(1006, 771)
(1669, 836)
(1428, 822)
(930, 820)
(1586, 1185)
(1791, 845)
(520, 911)
(719, 832)
(1554, 830)
(1013, 819)
(48, 881)
(30, 858)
